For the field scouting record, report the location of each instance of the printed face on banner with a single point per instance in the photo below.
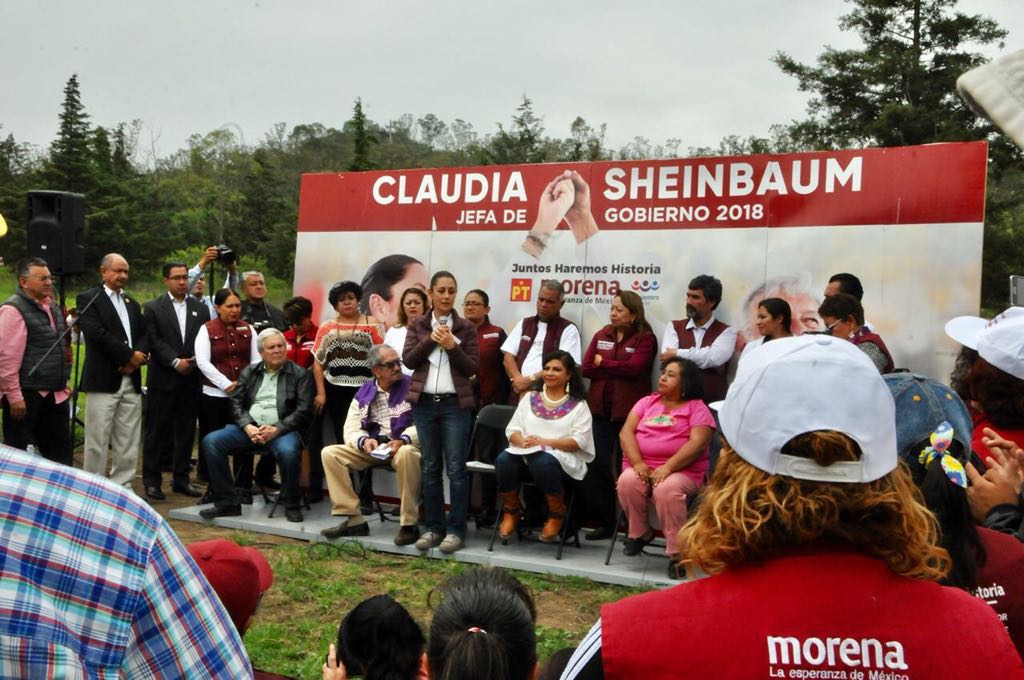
(766, 226)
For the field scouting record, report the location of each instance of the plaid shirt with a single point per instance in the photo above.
(93, 583)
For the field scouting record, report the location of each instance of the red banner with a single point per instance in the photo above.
(933, 184)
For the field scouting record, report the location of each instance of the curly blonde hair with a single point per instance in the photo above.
(746, 514)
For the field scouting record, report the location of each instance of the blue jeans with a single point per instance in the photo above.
(544, 468)
(443, 430)
(219, 444)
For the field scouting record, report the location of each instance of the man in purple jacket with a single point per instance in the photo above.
(378, 431)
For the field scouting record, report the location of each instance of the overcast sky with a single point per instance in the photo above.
(692, 70)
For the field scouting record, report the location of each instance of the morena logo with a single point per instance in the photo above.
(645, 286)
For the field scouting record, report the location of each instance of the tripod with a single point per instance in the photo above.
(77, 357)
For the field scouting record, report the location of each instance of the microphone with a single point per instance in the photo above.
(443, 321)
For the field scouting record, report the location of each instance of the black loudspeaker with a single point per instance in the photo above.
(56, 230)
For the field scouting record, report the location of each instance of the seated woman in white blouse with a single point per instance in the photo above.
(551, 434)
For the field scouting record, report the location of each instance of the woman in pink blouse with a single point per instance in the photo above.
(665, 455)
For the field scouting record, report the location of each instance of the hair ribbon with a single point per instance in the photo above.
(940, 440)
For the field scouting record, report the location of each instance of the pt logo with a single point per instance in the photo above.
(521, 290)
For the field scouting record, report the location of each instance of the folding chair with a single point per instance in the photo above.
(652, 519)
(496, 417)
(367, 482)
(569, 533)
(272, 500)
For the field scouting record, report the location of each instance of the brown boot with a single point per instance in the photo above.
(509, 514)
(556, 517)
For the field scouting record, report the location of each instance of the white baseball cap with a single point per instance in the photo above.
(1000, 341)
(791, 386)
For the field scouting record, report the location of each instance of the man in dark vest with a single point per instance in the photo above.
(535, 336)
(843, 316)
(172, 322)
(34, 368)
(700, 337)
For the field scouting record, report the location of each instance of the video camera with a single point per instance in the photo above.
(225, 255)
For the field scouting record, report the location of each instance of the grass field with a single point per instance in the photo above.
(315, 586)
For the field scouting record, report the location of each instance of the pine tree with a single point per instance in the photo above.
(900, 87)
(70, 155)
(523, 143)
(361, 138)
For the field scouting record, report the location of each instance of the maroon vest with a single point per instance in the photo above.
(714, 378)
(864, 335)
(529, 331)
(230, 348)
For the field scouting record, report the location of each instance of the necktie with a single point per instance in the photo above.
(122, 314)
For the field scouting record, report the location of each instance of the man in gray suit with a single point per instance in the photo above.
(172, 322)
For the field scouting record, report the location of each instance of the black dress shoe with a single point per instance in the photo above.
(190, 490)
(207, 497)
(222, 511)
(343, 529)
(293, 514)
(155, 493)
(633, 546)
(599, 534)
(486, 519)
(407, 535)
(269, 484)
(244, 496)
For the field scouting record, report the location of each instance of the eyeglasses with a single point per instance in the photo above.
(830, 329)
(393, 364)
(41, 278)
(472, 304)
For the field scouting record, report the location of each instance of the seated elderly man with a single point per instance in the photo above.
(378, 431)
(271, 404)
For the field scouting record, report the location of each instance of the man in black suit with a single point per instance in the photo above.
(115, 350)
(172, 322)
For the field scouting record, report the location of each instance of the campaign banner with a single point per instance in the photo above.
(907, 221)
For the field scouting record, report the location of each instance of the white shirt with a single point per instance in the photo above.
(712, 356)
(180, 310)
(395, 339)
(117, 299)
(439, 371)
(533, 363)
(577, 424)
(209, 370)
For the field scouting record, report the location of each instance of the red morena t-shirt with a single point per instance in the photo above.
(832, 613)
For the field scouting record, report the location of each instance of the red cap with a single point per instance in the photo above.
(238, 575)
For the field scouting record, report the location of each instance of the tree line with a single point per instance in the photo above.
(896, 88)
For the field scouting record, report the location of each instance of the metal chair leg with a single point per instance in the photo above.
(615, 537)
